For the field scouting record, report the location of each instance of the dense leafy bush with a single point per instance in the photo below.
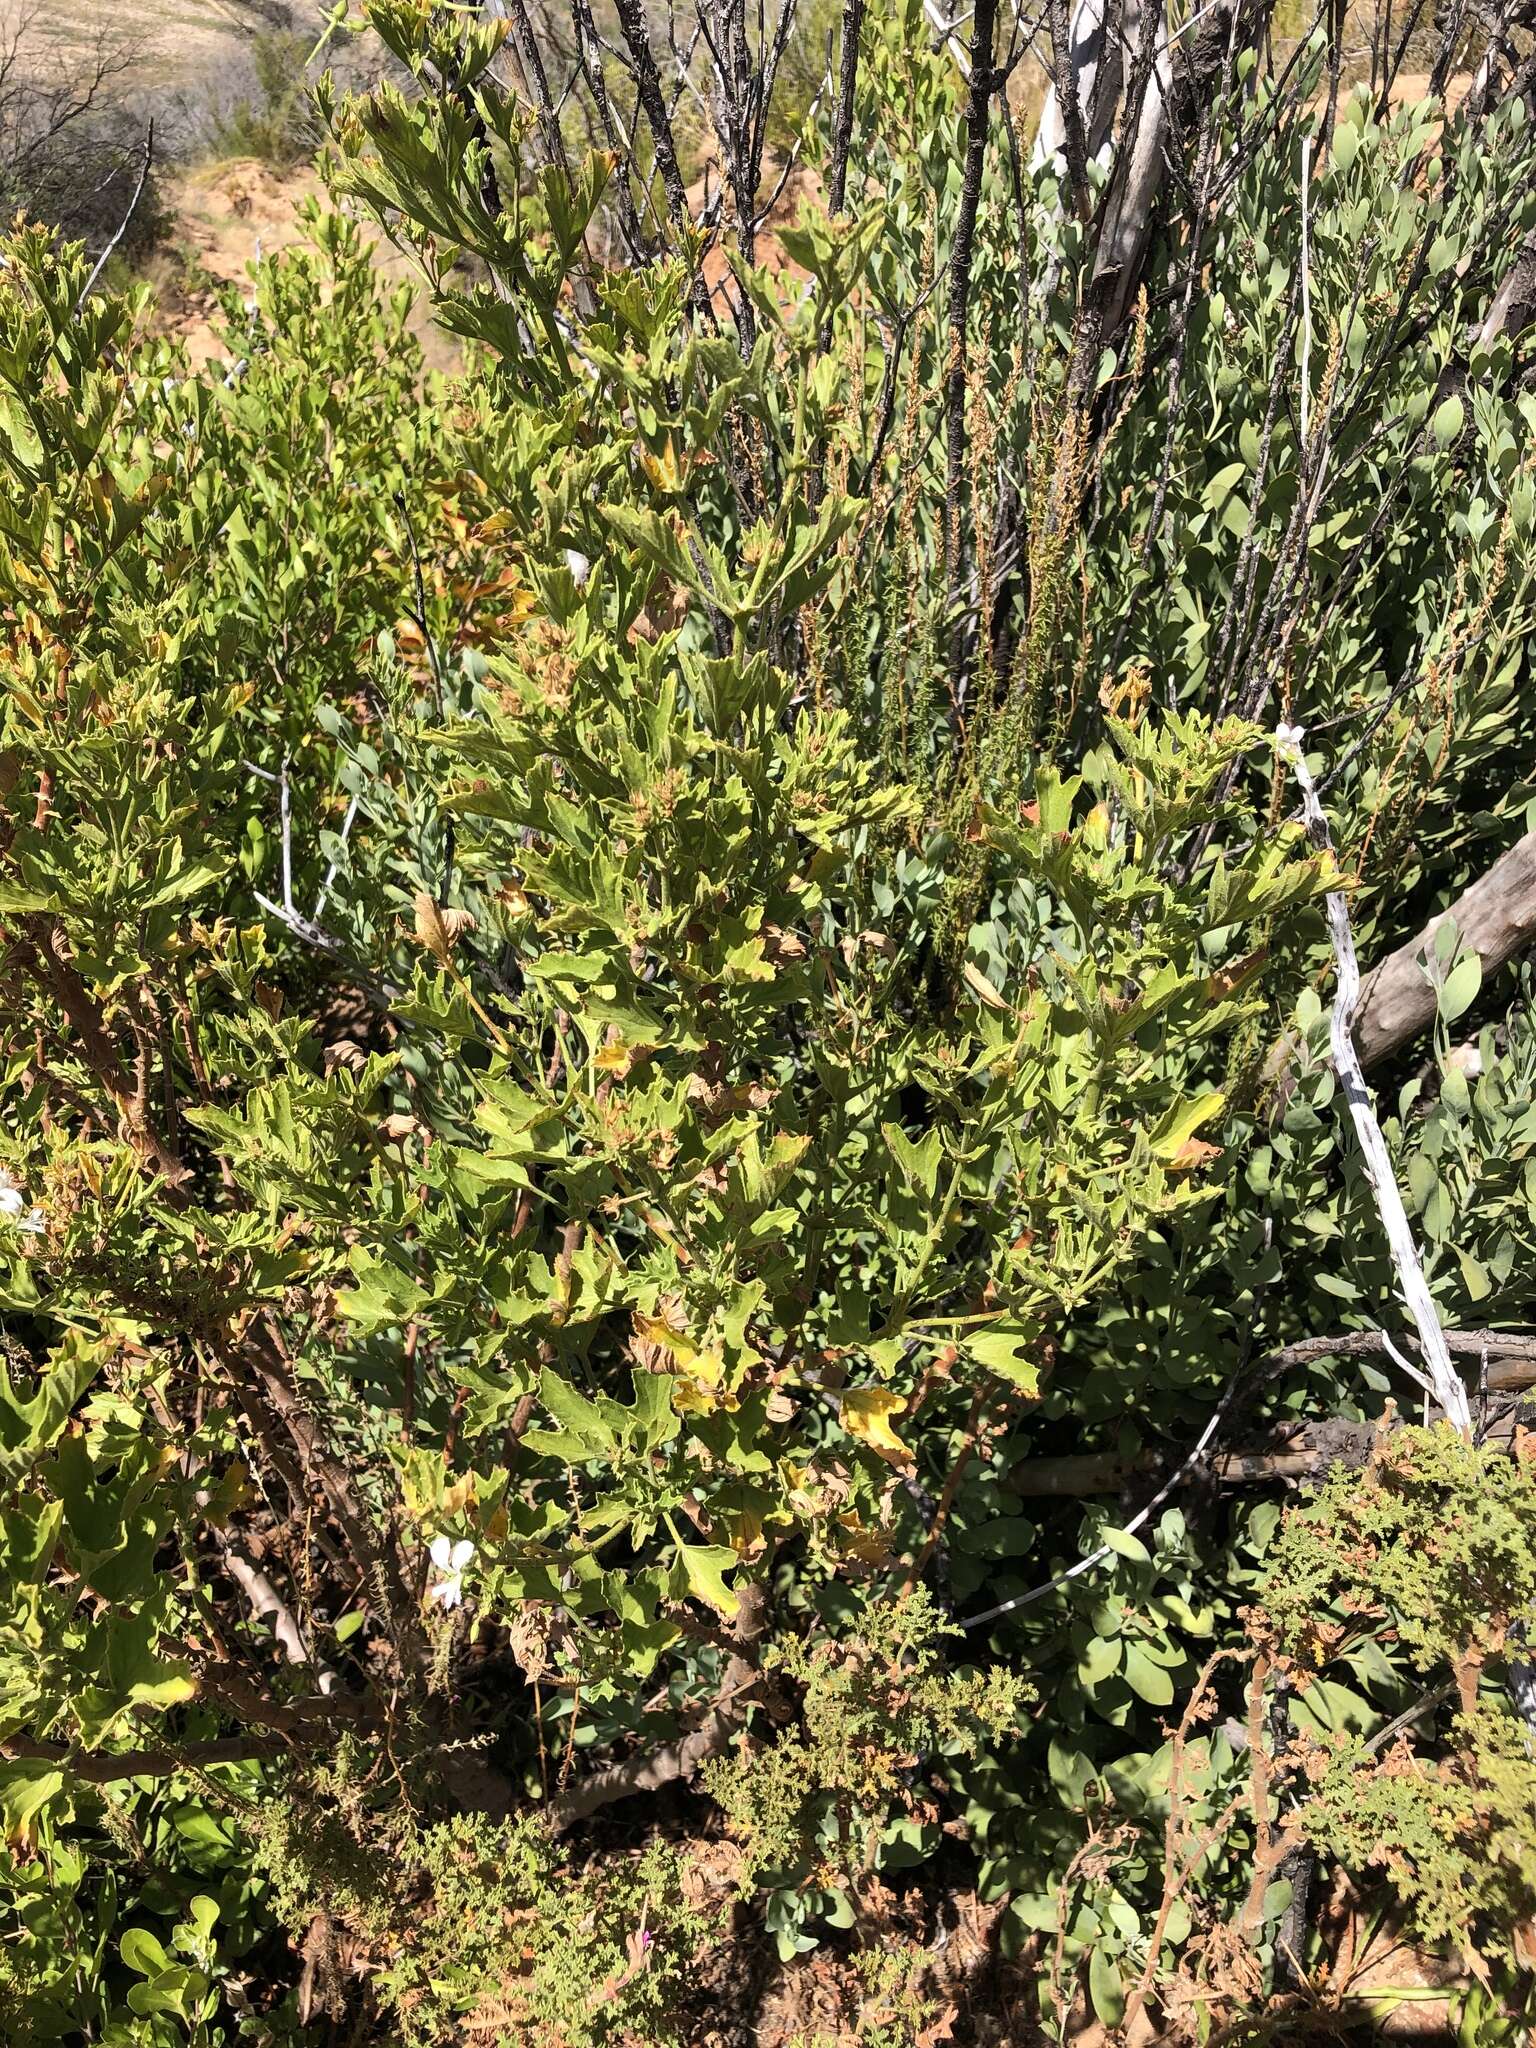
(642, 994)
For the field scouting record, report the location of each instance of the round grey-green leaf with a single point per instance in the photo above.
(1105, 1987)
(1458, 992)
(1098, 1661)
(1450, 417)
(1149, 1680)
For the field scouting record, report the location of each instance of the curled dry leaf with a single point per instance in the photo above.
(721, 1098)
(784, 949)
(1194, 1152)
(1228, 980)
(983, 990)
(436, 929)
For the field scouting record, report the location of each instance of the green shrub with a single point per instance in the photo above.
(276, 123)
(635, 982)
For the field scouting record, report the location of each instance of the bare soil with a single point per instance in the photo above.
(227, 215)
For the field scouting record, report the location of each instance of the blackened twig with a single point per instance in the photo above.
(1069, 101)
(847, 79)
(978, 103)
(632, 19)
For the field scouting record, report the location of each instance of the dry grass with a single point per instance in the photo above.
(183, 35)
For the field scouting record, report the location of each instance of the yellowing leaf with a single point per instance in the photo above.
(665, 471)
(677, 1344)
(616, 1059)
(866, 1414)
(862, 1542)
(233, 1492)
(692, 1397)
(705, 1565)
(748, 962)
(457, 1495)
(1174, 1129)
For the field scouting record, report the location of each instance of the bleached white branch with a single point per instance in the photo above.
(267, 1604)
(1444, 1381)
(1137, 1521)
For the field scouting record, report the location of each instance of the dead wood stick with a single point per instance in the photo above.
(267, 1604)
(1435, 1373)
(46, 955)
(104, 1767)
(1083, 1477)
(653, 1768)
(1511, 1366)
(1495, 918)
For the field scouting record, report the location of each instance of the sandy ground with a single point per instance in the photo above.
(227, 215)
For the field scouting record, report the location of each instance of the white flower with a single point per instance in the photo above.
(450, 1559)
(14, 1207)
(579, 567)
